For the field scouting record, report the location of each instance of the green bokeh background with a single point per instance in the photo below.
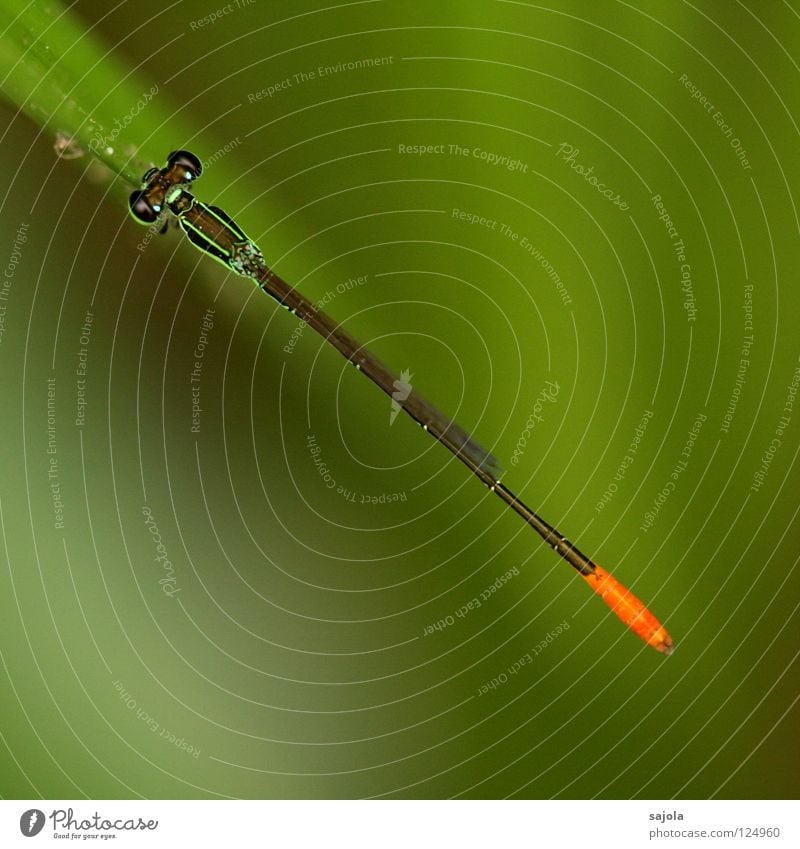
(295, 657)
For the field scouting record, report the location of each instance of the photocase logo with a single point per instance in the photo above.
(402, 389)
(31, 822)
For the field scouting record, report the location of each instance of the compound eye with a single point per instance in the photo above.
(149, 176)
(141, 208)
(186, 160)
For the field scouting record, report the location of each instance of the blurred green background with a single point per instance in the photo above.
(292, 654)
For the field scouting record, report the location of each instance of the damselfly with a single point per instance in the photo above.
(214, 232)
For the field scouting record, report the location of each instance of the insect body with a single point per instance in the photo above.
(208, 228)
(214, 232)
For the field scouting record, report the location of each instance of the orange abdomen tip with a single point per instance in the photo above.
(629, 609)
